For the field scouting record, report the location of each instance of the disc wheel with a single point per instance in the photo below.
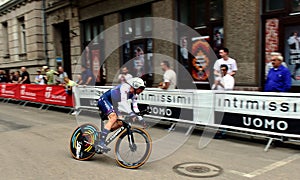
(82, 141)
(133, 156)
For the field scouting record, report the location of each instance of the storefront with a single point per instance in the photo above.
(280, 29)
(206, 18)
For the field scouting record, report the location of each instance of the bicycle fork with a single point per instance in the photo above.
(132, 145)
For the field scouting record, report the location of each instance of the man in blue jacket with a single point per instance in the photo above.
(279, 77)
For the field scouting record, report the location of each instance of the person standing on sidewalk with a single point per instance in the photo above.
(225, 59)
(279, 77)
(169, 78)
(25, 76)
(169, 83)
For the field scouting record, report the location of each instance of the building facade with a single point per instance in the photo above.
(68, 33)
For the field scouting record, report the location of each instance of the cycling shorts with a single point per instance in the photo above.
(105, 106)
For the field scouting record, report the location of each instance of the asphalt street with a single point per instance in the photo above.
(35, 145)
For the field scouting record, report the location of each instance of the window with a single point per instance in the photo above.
(216, 9)
(93, 48)
(272, 5)
(137, 52)
(5, 40)
(295, 4)
(22, 35)
(198, 14)
(92, 29)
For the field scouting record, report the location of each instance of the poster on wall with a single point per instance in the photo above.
(138, 60)
(200, 60)
(292, 52)
(218, 40)
(96, 64)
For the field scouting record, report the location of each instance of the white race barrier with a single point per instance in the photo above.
(255, 112)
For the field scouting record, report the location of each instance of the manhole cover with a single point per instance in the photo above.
(198, 169)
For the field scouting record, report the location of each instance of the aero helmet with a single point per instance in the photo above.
(136, 83)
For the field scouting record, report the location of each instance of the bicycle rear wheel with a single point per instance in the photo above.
(133, 156)
(82, 141)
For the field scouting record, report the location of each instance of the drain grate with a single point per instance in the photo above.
(198, 169)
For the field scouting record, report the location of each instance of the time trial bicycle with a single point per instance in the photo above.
(132, 148)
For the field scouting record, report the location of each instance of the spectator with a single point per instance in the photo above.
(78, 79)
(225, 59)
(39, 78)
(50, 75)
(169, 78)
(124, 76)
(10, 77)
(25, 79)
(69, 85)
(169, 82)
(225, 82)
(87, 77)
(269, 65)
(3, 78)
(279, 77)
(17, 77)
(61, 75)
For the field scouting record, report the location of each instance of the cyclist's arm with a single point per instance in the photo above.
(135, 104)
(124, 105)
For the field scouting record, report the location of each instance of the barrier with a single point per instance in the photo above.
(267, 114)
(44, 94)
(253, 112)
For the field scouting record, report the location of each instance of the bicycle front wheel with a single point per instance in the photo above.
(133, 155)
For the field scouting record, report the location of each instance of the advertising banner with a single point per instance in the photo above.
(201, 59)
(177, 104)
(272, 112)
(87, 97)
(9, 91)
(57, 95)
(31, 92)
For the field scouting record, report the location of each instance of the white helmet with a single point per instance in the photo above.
(136, 83)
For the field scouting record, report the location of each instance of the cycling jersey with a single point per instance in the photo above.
(118, 100)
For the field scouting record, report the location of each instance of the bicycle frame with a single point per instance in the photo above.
(124, 127)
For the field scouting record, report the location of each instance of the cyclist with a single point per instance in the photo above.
(117, 100)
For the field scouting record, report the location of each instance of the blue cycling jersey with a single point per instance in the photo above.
(116, 100)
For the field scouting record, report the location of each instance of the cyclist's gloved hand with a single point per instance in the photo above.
(142, 121)
(133, 116)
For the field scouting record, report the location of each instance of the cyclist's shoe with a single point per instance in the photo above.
(101, 148)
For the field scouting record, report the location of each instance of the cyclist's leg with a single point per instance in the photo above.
(116, 125)
(112, 118)
(107, 108)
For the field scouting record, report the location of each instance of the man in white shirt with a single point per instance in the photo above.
(124, 76)
(225, 59)
(225, 82)
(169, 79)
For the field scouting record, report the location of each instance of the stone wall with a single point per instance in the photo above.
(241, 25)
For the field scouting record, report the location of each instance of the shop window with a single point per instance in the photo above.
(206, 17)
(137, 51)
(273, 5)
(93, 48)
